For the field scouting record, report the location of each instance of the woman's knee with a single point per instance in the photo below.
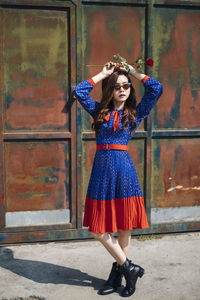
(123, 232)
(99, 236)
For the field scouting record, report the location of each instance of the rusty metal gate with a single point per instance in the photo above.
(46, 143)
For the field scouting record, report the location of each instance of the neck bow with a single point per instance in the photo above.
(116, 114)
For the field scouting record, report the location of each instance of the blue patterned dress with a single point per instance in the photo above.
(114, 198)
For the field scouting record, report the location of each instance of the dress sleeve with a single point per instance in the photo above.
(82, 93)
(154, 90)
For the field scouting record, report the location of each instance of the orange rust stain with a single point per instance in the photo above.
(90, 151)
(133, 150)
(105, 42)
(35, 176)
(45, 89)
(48, 112)
(103, 47)
(175, 69)
(25, 237)
(189, 109)
(27, 197)
(179, 167)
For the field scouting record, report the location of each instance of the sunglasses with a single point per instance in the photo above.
(125, 86)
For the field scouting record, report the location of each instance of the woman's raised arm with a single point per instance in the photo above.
(83, 89)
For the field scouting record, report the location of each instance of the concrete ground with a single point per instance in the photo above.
(76, 270)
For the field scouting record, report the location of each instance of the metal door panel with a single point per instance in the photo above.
(37, 175)
(175, 185)
(103, 36)
(35, 69)
(38, 130)
(35, 80)
(176, 169)
(177, 61)
(175, 181)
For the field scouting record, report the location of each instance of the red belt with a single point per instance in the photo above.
(112, 147)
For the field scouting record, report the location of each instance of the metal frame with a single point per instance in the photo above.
(149, 133)
(16, 233)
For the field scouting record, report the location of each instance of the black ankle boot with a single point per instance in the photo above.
(131, 273)
(114, 281)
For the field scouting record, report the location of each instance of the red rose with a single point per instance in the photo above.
(149, 62)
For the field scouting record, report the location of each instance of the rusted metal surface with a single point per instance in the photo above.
(38, 136)
(137, 153)
(74, 197)
(2, 172)
(36, 80)
(89, 149)
(177, 56)
(175, 178)
(53, 235)
(126, 27)
(41, 3)
(178, 3)
(176, 173)
(97, 26)
(35, 69)
(37, 175)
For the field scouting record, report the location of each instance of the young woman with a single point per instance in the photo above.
(114, 201)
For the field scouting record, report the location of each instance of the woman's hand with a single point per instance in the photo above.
(107, 71)
(128, 68)
(132, 71)
(108, 68)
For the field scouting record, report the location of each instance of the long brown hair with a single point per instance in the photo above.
(106, 104)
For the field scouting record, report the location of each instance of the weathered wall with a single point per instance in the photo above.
(46, 143)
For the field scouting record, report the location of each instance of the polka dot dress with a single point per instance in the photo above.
(114, 198)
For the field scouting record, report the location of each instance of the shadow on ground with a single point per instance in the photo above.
(43, 272)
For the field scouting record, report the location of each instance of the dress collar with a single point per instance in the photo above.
(113, 108)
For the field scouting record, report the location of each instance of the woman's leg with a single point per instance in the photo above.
(130, 271)
(124, 238)
(112, 245)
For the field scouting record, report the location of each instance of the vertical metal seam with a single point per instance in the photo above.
(72, 111)
(2, 157)
(79, 119)
(148, 142)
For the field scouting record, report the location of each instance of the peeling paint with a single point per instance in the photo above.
(180, 187)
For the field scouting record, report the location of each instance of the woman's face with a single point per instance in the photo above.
(122, 89)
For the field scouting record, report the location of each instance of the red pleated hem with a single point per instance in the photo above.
(110, 215)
